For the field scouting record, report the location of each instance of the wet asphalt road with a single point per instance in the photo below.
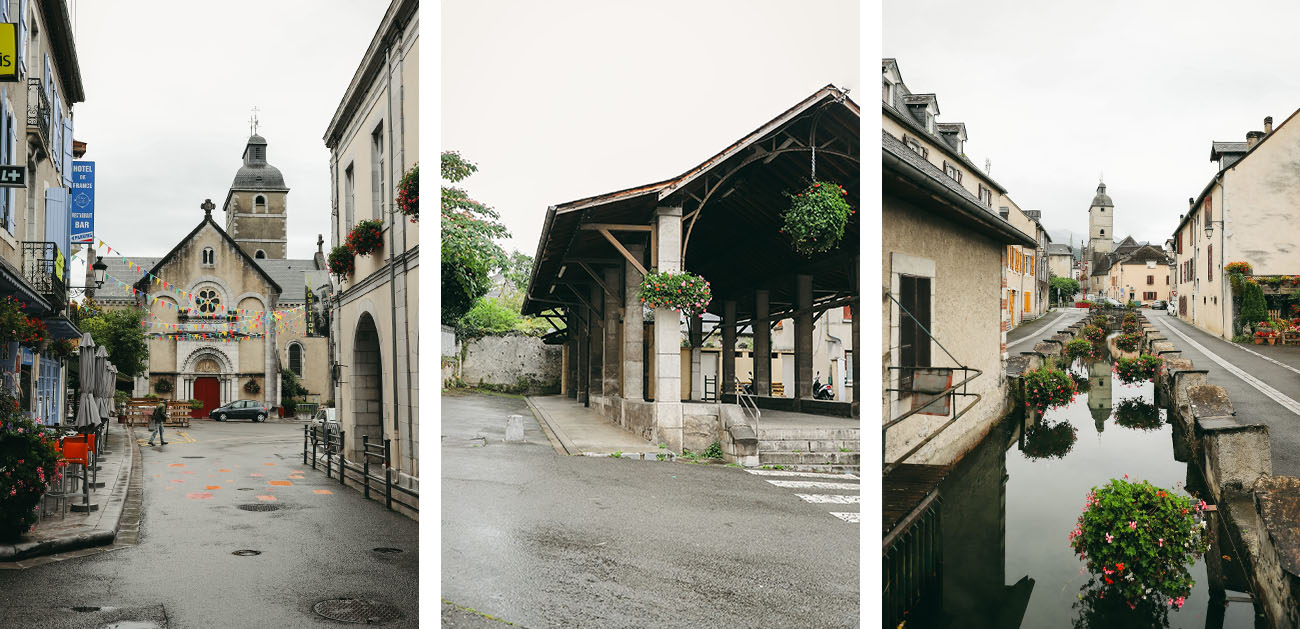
(317, 546)
(543, 540)
(1023, 337)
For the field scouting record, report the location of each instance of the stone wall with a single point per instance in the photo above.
(513, 362)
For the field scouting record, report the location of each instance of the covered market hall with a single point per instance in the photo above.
(723, 221)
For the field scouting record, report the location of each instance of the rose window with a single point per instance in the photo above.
(209, 301)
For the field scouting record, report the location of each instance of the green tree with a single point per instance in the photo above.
(469, 250)
(1063, 288)
(290, 388)
(119, 331)
(1253, 309)
(518, 269)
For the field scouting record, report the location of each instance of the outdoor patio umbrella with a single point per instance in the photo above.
(88, 410)
(103, 387)
(111, 386)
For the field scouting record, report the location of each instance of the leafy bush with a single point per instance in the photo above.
(489, 316)
(1140, 369)
(684, 292)
(1049, 441)
(1048, 387)
(714, 451)
(1082, 348)
(1138, 414)
(1132, 305)
(252, 387)
(163, 386)
(28, 461)
(816, 218)
(1129, 342)
(1253, 308)
(196, 405)
(1101, 320)
(1139, 540)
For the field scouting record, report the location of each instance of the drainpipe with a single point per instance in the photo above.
(1223, 247)
(401, 114)
(392, 253)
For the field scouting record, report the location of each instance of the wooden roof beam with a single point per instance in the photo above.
(623, 250)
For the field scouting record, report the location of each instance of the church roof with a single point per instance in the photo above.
(1126, 245)
(294, 276)
(1101, 199)
(256, 174)
(1059, 249)
(143, 282)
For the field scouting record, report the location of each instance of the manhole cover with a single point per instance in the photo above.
(85, 609)
(246, 553)
(245, 489)
(259, 507)
(356, 610)
(385, 549)
(194, 457)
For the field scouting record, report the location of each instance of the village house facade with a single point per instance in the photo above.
(947, 260)
(1246, 213)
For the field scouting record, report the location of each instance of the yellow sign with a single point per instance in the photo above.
(58, 266)
(8, 51)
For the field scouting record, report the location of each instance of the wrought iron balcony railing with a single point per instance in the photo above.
(38, 114)
(43, 268)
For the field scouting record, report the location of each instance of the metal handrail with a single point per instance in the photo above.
(746, 402)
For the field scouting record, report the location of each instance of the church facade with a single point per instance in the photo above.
(226, 310)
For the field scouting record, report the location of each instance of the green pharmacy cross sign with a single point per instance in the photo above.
(13, 176)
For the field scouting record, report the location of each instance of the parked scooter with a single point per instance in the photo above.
(822, 391)
(749, 386)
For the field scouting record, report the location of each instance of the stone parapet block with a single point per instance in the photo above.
(1235, 454)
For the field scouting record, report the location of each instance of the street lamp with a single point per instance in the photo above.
(100, 270)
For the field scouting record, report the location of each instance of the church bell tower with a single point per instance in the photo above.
(257, 205)
(1101, 222)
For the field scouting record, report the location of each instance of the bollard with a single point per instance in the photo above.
(315, 438)
(515, 428)
(365, 464)
(305, 429)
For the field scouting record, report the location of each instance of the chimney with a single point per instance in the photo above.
(1191, 202)
(1252, 138)
(1268, 125)
(1180, 217)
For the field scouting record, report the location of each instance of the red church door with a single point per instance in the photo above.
(208, 391)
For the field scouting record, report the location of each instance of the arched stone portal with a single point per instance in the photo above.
(367, 386)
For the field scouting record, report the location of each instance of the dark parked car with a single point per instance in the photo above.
(242, 409)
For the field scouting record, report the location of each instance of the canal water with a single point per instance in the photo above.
(1010, 504)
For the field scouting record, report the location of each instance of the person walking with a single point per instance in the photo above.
(156, 423)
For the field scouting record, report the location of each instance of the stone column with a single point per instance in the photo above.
(633, 329)
(803, 339)
(613, 312)
(597, 299)
(584, 357)
(668, 364)
(855, 311)
(695, 332)
(572, 353)
(726, 381)
(762, 344)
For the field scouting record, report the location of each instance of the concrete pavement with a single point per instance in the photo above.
(580, 430)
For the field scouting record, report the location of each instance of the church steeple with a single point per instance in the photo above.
(256, 206)
(1101, 221)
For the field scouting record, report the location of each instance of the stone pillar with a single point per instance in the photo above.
(584, 356)
(856, 309)
(571, 356)
(597, 299)
(726, 381)
(803, 339)
(613, 312)
(633, 329)
(762, 344)
(667, 334)
(695, 332)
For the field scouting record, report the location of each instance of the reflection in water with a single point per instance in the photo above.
(1007, 512)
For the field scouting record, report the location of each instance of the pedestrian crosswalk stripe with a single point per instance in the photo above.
(831, 499)
(852, 516)
(802, 474)
(807, 484)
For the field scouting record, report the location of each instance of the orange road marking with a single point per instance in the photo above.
(212, 486)
(268, 464)
(177, 480)
(187, 471)
(282, 483)
(267, 498)
(323, 491)
(198, 495)
(157, 475)
(255, 475)
(223, 470)
(175, 465)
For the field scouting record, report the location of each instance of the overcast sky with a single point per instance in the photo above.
(169, 90)
(557, 101)
(1056, 93)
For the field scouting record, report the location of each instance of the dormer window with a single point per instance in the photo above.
(916, 147)
(952, 172)
(884, 92)
(986, 196)
(209, 257)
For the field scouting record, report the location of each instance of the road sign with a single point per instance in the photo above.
(13, 176)
(82, 204)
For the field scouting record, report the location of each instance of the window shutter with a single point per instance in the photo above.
(22, 36)
(8, 144)
(56, 217)
(67, 152)
(1209, 263)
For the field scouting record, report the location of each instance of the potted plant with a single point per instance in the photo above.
(366, 238)
(341, 261)
(28, 461)
(1093, 333)
(252, 387)
(196, 405)
(1082, 348)
(408, 194)
(163, 386)
(1048, 387)
(684, 292)
(1139, 540)
(1134, 370)
(1129, 342)
(1238, 268)
(816, 218)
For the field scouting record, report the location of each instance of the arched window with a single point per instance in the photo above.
(209, 257)
(259, 204)
(295, 359)
(260, 255)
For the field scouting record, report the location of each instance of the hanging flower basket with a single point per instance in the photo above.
(60, 349)
(1101, 320)
(1138, 415)
(408, 194)
(1135, 370)
(1049, 440)
(366, 238)
(1139, 539)
(1093, 333)
(1082, 348)
(16, 326)
(816, 218)
(163, 386)
(252, 387)
(1240, 268)
(1048, 388)
(27, 462)
(341, 261)
(684, 292)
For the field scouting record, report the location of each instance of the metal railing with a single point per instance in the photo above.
(38, 113)
(314, 436)
(41, 262)
(748, 405)
(913, 564)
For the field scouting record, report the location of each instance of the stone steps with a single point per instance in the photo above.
(803, 445)
(806, 434)
(834, 450)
